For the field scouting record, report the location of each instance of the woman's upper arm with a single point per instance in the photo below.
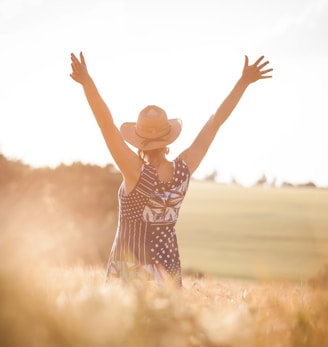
(194, 154)
(125, 158)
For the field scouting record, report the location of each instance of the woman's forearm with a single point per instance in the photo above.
(98, 106)
(230, 102)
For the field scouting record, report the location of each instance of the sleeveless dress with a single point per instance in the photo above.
(145, 245)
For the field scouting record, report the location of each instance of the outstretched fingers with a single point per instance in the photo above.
(263, 73)
(261, 66)
(75, 62)
(254, 72)
(79, 68)
(259, 60)
(74, 58)
(82, 59)
(75, 66)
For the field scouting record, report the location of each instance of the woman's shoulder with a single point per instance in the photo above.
(179, 161)
(181, 168)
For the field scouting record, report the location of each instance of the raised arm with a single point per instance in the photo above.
(127, 161)
(196, 152)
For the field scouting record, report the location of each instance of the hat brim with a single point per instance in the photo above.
(128, 131)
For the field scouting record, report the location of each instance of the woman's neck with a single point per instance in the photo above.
(157, 161)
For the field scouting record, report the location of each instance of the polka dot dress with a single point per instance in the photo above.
(146, 244)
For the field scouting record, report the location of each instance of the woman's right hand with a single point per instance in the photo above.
(79, 69)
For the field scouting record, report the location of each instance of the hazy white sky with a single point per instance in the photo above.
(184, 56)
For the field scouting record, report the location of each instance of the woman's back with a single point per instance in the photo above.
(146, 238)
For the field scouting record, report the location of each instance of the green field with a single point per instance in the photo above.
(254, 232)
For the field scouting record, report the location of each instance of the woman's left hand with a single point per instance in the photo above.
(255, 72)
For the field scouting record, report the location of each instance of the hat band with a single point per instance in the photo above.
(161, 142)
(153, 132)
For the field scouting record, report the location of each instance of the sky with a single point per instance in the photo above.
(184, 56)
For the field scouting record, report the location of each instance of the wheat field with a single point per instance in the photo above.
(51, 307)
(255, 232)
(255, 275)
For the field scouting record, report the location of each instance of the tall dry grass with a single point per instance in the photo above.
(50, 307)
(49, 221)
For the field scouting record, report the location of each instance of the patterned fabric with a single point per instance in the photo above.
(145, 244)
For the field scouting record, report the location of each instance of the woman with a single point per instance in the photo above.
(153, 188)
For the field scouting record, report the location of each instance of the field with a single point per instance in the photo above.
(66, 307)
(254, 232)
(255, 275)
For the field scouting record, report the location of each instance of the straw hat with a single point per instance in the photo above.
(152, 130)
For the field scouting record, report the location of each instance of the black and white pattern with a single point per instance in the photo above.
(146, 239)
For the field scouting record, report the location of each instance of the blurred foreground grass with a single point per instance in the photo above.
(52, 307)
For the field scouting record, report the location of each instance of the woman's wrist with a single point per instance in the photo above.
(87, 81)
(243, 82)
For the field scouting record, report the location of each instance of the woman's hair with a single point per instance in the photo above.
(151, 154)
